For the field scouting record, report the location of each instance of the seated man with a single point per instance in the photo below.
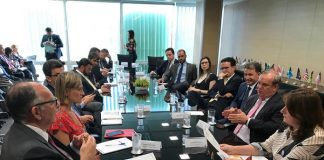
(180, 75)
(166, 65)
(248, 88)
(33, 115)
(260, 117)
(98, 73)
(88, 111)
(89, 87)
(225, 89)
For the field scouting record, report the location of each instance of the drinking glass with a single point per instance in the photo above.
(211, 117)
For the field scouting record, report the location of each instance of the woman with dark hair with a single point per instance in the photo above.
(131, 45)
(304, 137)
(205, 81)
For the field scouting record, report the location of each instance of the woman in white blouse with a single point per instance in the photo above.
(304, 137)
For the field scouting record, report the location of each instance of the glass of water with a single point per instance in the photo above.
(211, 117)
(136, 142)
(186, 120)
(140, 111)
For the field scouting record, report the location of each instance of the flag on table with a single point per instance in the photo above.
(298, 76)
(236, 59)
(305, 76)
(266, 67)
(289, 73)
(318, 78)
(310, 79)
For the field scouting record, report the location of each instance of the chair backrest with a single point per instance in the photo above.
(125, 58)
(154, 63)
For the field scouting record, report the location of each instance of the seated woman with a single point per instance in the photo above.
(200, 89)
(69, 90)
(304, 137)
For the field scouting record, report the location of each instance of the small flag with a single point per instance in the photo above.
(279, 70)
(266, 67)
(305, 76)
(310, 79)
(289, 73)
(236, 59)
(318, 78)
(298, 76)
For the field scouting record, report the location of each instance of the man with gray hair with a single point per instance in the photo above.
(33, 108)
(260, 117)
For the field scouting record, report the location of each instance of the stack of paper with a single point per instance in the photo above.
(111, 118)
(114, 145)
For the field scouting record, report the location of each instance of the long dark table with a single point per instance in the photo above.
(151, 129)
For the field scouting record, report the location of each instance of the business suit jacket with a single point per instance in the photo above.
(191, 74)
(58, 42)
(22, 143)
(88, 89)
(240, 98)
(268, 120)
(163, 67)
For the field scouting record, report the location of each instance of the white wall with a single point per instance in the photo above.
(285, 32)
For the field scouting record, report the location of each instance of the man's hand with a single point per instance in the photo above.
(88, 149)
(226, 112)
(160, 80)
(105, 88)
(104, 72)
(227, 148)
(88, 98)
(77, 140)
(86, 118)
(239, 117)
(221, 75)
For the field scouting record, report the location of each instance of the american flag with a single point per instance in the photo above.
(305, 76)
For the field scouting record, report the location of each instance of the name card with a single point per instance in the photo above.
(177, 115)
(125, 64)
(202, 125)
(195, 142)
(151, 145)
(195, 113)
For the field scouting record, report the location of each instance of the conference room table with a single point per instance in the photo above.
(151, 129)
(151, 126)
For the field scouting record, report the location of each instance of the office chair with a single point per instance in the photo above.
(154, 63)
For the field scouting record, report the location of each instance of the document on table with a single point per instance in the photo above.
(209, 136)
(151, 145)
(149, 156)
(111, 118)
(114, 145)
(195, 113)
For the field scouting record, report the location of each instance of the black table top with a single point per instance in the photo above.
(151, 129)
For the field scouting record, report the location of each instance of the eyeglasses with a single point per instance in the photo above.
(55, 75)
(224, 68)
(50, 101)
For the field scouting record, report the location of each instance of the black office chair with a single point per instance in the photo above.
(125, 58)
(154, 63)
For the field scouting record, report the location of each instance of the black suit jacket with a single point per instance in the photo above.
(231, 87)
(88, 89)
(163, 67)
(58, 42)
(22, 143)
(240, 98)
(268, 120)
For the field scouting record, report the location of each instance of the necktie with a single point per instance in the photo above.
(246, 93)
(250, 114)
(61, 151)
(179, 73)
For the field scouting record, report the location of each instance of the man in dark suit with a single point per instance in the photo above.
(248, 88)
(52, 44)
(260, 117)
(180, 75)
(89, 87)
(166, 65)
(33, 115)
(225, 89)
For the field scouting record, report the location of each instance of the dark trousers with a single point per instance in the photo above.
(195, 98)
(49, 56)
